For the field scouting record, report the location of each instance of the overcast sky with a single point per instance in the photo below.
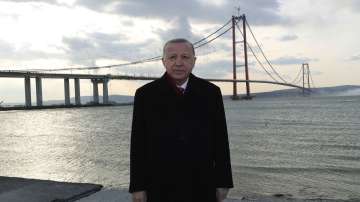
(79, 33)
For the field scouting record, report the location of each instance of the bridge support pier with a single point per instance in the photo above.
(39, 98)
(27, 91)
(77, 91)
(67, 91)
(105, 91)
(95, 83)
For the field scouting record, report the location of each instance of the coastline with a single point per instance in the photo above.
(9, 108)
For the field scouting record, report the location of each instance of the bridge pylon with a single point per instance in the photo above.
(305, 79)
(235, 95)
(234, 42)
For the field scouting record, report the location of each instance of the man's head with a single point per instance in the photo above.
(178, 59)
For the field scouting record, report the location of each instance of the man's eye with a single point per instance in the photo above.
(185, 57)
(172, 57)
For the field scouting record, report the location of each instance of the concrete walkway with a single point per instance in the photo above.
(30, 190)
(119, 195)
(114, 195)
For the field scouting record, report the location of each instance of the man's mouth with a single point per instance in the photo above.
(179, 71)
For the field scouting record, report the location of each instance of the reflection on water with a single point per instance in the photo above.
(82, 145)
(304, 147)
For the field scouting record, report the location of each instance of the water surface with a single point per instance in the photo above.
(301, 147)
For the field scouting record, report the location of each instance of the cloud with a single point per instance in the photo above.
(355, 5)
(80, 51)
(355, 57)
(288, 37)
(94, 46)
(181, 29)
(23, 53)
(6, 49)
(258, 11)
(25, 1)
(214, 69)
(53, 2)
(290, 60)
(97, 5)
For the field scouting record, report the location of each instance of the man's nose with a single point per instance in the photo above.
(179, 61)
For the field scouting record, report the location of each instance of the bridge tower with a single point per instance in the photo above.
(305, 78)
(235, 95)
(234, 42)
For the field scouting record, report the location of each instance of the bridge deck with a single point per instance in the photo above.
(21, 74)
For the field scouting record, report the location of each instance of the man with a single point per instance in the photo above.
(179, 148)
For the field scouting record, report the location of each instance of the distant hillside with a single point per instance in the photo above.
(346, 90)
(87, 99)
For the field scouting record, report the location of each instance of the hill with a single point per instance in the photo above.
(346, 90)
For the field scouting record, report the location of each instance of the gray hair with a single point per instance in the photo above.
(178, 40)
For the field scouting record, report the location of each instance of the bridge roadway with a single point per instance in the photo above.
(95, 79)
(21, 74)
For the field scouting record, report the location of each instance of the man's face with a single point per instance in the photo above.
(179, 60)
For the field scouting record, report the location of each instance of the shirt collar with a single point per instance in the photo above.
(184, 84)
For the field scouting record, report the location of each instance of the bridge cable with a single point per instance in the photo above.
(228, 22)
(297, 77)
(152, 59)
(213, 38)
(312, 81)
(256, 56)
(298, 81)
(264, 53)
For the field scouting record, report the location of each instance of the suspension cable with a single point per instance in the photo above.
(101, 67)
(262, 52)
(213, 38)
(312, 81)
(257, 59)
(296, 78)
(299, 80)
(152, 59)
(203, 39)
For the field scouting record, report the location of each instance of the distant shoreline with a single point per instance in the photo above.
(9, 108)
(121, 100)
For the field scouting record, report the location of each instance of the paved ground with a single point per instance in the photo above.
(113, 195)
(31, 190)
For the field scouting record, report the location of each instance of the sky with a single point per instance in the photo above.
(80, 33)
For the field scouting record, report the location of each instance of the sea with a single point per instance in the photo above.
(298, 147)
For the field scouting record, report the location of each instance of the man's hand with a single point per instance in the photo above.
(139, 196)
(221, 194)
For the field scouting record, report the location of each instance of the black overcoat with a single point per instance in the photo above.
(179, 149)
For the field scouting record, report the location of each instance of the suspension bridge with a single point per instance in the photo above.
(237, 24)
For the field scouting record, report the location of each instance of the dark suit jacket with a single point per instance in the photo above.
(179, 143)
